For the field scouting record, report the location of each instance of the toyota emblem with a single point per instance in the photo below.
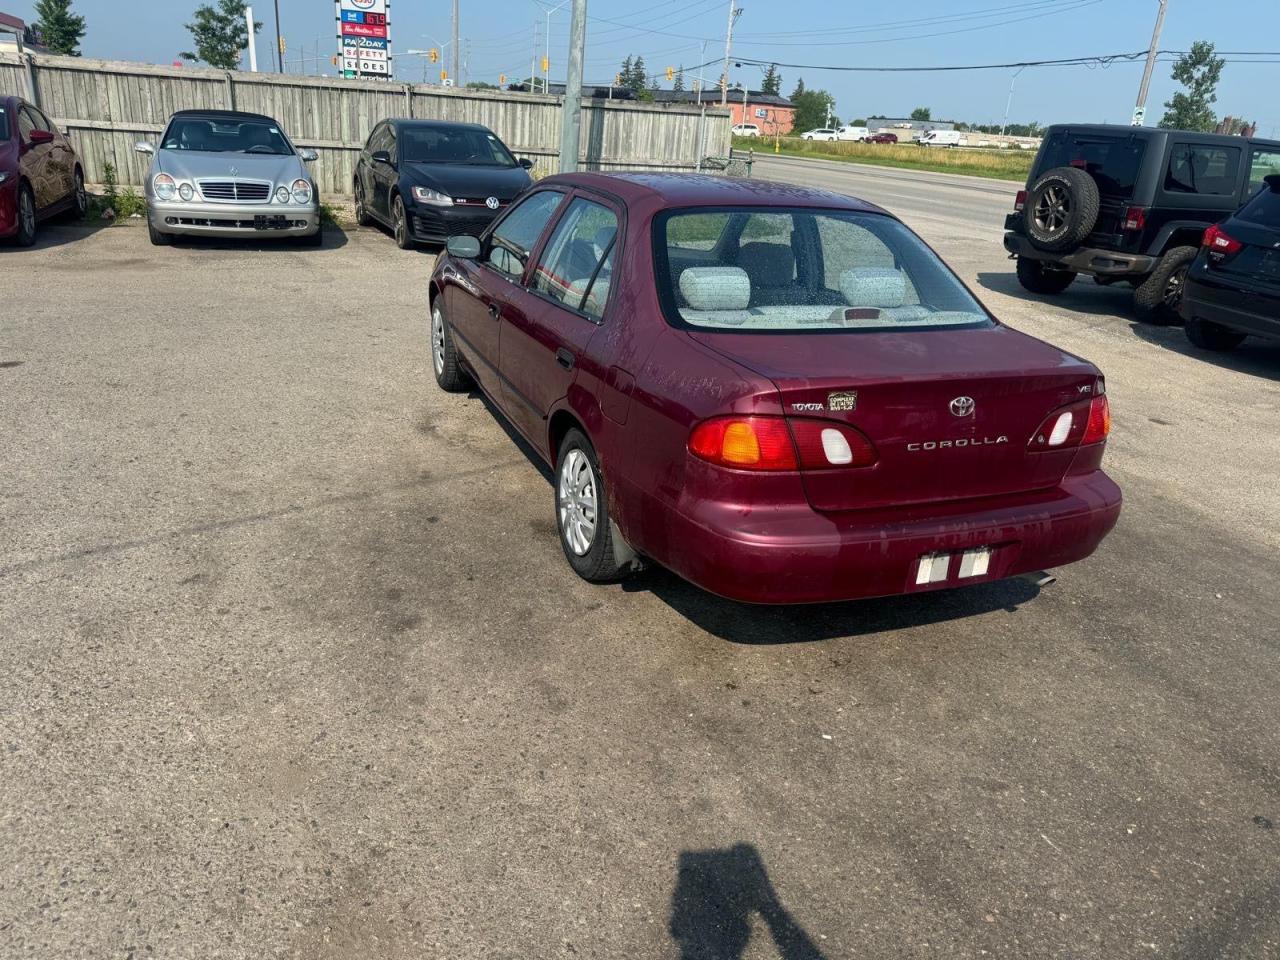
(962, 406)
(492, 203)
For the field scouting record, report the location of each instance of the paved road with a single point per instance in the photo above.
(294, 667)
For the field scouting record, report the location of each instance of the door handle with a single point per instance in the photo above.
(494, 310)
(564, 358)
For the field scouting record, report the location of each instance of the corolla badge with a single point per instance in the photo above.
(491, 203)
(962, 406)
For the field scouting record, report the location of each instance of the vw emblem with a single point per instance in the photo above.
(492, 203)
(962, 406)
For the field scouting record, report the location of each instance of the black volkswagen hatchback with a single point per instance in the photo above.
(428, 180)
(1233, 288)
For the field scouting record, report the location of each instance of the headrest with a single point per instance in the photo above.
(603, 237)
(768, 264)
(716, 288)
(883, 287)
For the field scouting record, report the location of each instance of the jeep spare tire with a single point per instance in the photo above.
(1061, 209)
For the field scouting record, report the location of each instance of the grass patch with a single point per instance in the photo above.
(990, 163)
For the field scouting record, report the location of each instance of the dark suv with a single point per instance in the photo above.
(1129, 204)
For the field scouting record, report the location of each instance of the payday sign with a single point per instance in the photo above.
(364, 38)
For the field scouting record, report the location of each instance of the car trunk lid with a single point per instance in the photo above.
(950, 413)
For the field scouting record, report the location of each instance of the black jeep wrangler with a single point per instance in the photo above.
(1129, 204)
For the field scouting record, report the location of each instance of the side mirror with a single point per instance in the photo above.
(380, 156)
(463, 247)
(143, 147)
(37, 137)
(526, 163)
(308, 155)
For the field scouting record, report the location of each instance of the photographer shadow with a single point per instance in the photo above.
(717, 892)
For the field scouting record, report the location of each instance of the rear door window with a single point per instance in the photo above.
(1113, 161)
(515, 236)
(26, 123)
(577, 263)
(1206, 171)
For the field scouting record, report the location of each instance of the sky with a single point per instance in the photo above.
(498, 38)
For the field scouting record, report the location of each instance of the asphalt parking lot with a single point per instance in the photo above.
(294, 666)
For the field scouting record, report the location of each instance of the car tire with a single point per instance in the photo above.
(582, 512)
(1157, 300)
(400, 224)
(26, 235)
(1037, 278)
(444, 355)
(1212, 336)
(79, 198)
(316, 239)
(1061, 209)
(362, 212)
(158, 239)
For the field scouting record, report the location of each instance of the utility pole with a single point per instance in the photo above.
(1009, 103)
(253, 46)
(279, 45)
(1140, 108)
(734, 13)
(571, 112)
(533, 61)
(456, 52)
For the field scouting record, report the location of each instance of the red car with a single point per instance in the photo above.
(882, 138)
(40, 174)
(781, 394)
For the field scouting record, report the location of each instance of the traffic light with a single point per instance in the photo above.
(282, 46)
(433, 55)
(671, 73)
(334, 60)
(444, 75)
(546, 64)
(617, 79)
(502, 79)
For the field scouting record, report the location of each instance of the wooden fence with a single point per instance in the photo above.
(106, 107)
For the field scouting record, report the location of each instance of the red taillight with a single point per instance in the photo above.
(1099, 424)
(746, 443)
(775, 443)
(1135, 218)
(1219, 241)
(1019, 201)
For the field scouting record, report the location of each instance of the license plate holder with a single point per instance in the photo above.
(267, 222)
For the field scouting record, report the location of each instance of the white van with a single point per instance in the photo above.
(943, 138)
(852, 133)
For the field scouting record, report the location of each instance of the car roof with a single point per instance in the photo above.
(219, 115)
(1114, 129)
(666, 190)
(438, 124)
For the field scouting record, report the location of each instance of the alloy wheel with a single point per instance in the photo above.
(1173, 289)
(400, 225)
(359, 204)
(82, 199)
(27, 211)
(578, 502)
(437, 340)
(1052, 208)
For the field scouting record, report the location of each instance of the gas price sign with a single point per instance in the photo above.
(364, 38)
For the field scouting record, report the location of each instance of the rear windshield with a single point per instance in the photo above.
(798, 270)
(1112, 161)
(226, 136)
(1264, 208)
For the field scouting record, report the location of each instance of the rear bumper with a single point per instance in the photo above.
(1254, 312)
(1106, 263)
(232, 220)
(808, 557)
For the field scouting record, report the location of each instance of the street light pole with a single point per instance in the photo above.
(253, 45)
(1140, 108)
(1008, 103)
(734, 13)
(456, 75)
(279, 52)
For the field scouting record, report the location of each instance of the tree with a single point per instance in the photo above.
(812, 109)
(481, 85)
(921, 113)
(860, 122)
(1199, 71)
(60, 30)
(678, 84)
(220, 34)
(798, 90)
(639, 79)
(772, 82)
(624, 73)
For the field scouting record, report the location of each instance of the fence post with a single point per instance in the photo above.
(408, 100)
(231, 92)
(33, 92)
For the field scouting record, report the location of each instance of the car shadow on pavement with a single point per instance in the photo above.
(54, 233)
(750, 624)
(717, 893)
(1083, 296)
(1255, 357)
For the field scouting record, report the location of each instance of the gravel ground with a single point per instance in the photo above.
(294, 666)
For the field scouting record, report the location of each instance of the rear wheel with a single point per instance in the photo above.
(362, 212)
(1158, 299)
(80, 198)
(1212, 336)
(1037, 278)
(26, 217)
(400, 224)
(582, 512)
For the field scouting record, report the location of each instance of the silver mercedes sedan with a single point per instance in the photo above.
(220, 173)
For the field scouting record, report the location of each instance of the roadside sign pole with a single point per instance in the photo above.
(253, 44)
(571, 111)
(1140, 108)
(279, 46)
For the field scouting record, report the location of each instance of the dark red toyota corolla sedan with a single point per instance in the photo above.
(781, 394)
(40, 174)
